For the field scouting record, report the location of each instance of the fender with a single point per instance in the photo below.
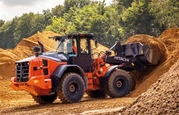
(59, 71)
(111, 69)
(103, 80)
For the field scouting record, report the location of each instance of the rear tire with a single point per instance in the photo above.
(45, 99)
(72, 88)
(119, 84)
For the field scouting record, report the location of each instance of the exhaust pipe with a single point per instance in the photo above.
(41, 46)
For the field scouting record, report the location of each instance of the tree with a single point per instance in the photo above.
(124, 3)
(24, 26)
(117, 21)
(38, 23)
(47, 17)
(29, 24)
(1, 22)
(165, 12)
(82, 18)
(58, 11)
(7, 37)
(101, 7)
(103, 23)
(59, 23)
(75, 3)
(137, 20)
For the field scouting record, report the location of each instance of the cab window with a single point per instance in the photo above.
(84, 46)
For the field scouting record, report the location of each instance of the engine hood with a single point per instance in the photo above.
(54, 56)
(49, 55)
(26, 59)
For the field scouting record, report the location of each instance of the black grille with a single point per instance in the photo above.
(22, 71)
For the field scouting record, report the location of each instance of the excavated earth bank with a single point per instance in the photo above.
(163, 96)
(144, 79)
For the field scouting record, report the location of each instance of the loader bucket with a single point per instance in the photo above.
(144, 53)
(152, 55)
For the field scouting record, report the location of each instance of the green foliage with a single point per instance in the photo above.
(124, 3)
(58, 24)
(24, 26)
(21, 27)
(75, 3)
(6, 34)
(165, 12)
(1, 22)
(58, 11)
(137, 20)
(94, 18)
(117, 21)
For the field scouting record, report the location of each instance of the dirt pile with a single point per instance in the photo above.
(161, 98)
(144, 79)
(6, 62)
(22, 50)
(170, 38)
(154, 43)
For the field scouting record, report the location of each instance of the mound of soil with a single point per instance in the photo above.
(162, 98)
(144, 79)
(23, 50)
(154, 43)
(170, 38)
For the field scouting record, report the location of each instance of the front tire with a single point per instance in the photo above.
(45, 99)
(72, 88)
(119, 84)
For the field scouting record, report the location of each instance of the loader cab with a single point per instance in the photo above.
(77, 49)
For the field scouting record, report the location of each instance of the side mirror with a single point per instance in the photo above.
(108, 53)
(36, 49)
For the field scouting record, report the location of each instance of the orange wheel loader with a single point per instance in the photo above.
(68, 74)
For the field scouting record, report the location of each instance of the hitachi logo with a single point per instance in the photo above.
(121, 58)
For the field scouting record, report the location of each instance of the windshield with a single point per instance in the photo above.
(65, 46)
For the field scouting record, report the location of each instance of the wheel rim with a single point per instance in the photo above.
(73, 88)
(119, 84)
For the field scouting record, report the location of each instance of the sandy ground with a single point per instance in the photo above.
(20, 103)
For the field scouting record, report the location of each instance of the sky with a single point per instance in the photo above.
(11, 8)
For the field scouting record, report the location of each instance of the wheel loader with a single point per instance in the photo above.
(68, 74)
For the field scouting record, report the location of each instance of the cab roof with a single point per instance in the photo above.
(77, 35)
